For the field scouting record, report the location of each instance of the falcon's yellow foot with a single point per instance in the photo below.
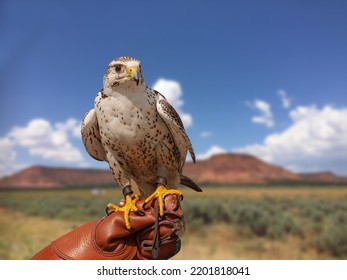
(160, 193)
(129, 205)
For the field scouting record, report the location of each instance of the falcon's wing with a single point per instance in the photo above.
(175, 125)
(91, 136)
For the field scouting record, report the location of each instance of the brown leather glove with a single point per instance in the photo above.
(151, 236)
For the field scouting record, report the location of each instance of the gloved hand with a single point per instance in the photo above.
(150, 237)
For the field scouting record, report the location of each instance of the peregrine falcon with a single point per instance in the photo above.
(139, 134)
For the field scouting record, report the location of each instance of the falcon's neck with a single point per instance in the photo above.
(127, 90)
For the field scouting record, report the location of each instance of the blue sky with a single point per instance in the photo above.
(267, 78)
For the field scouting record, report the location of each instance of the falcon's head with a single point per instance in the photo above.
(122, 71)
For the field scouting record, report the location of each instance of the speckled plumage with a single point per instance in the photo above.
(135, 130)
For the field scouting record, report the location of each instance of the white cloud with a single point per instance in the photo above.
(205, 134)
(214, 150)
(48, 141)
(7, 156)
(284, 98)
(70, 126)
(315, 141)
(173, 92)
(264, 109)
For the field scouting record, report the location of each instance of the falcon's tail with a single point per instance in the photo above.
(190, 183)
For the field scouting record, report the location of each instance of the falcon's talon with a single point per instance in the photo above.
(106, 210)
(160, 194)
(130, 205)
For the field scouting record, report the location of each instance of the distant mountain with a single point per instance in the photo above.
(52, 177)
(237, 168)
(322, 177)
(221, 169)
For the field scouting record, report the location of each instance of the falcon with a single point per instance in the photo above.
(140, 135)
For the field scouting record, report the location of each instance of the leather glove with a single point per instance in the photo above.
(150, 237)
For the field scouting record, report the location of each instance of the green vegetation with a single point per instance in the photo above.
(318, 221)
(78, 204)
(276, 218)
(333, 240)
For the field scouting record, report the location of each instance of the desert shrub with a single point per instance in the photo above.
(307, 208)
(340, 217)
(207, 211)
(70, 205)
(254, 218)
(260, 217)
(333, 241)
(283, 224)
(317, 216)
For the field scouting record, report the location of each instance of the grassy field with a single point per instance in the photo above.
(278, 222)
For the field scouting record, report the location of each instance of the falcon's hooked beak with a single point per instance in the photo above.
(133, 73)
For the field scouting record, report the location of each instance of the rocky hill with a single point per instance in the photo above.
(221, 169)
(322, 177)
(51, 177)
(237, 168)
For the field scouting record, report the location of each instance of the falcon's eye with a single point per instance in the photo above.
(119, 68)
